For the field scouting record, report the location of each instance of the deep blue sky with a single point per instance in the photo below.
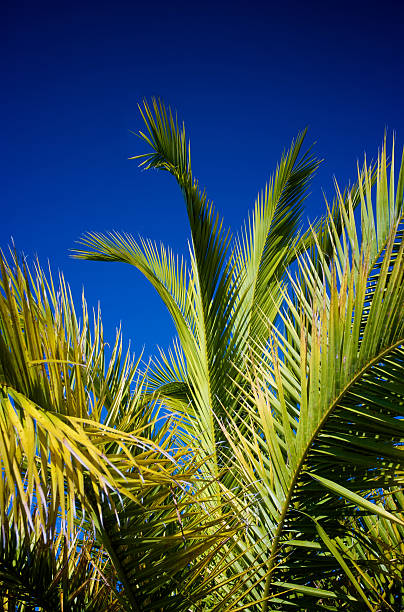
(244, 78)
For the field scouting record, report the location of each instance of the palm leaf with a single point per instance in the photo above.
(212, 306)
(323, 418)
(267, 244)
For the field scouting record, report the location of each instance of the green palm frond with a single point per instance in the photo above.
(42, 374)
(161, 548)
(166, 272)
(229, 282)
(267, 243)
(208, 300)
(60, 409)
(212, 296)
(323, 433)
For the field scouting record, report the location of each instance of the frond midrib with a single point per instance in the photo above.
(208, 376)
(301, 462)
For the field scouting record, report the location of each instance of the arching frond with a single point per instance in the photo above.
(323, 448)
(268, 240)
(215, 309)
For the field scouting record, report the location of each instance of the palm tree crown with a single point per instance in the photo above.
(257, 464)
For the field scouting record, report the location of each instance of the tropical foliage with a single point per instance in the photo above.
(257, 464)
(89, 468)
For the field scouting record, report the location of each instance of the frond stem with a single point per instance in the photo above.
(300, 465)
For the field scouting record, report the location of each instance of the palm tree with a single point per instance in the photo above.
(218, 305)
(271, 478)
(292, 382)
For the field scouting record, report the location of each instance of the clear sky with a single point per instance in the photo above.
(245, 77)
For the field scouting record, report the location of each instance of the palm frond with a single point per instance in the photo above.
(61, 407)
(323, 420)
(267, 243)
